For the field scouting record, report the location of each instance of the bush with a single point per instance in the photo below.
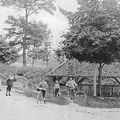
(8, 70)
(33, 75)
(98, 102)
(49, 98)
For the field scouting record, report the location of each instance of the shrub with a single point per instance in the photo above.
(33, 75)
(98, 102)
(49, 98)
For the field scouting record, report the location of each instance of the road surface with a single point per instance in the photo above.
(20, 107)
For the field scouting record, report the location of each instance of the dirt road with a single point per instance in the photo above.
(19, 107)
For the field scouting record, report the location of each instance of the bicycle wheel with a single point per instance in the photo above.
(63, 93)
(80, 96)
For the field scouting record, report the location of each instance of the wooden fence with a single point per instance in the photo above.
(106, 90)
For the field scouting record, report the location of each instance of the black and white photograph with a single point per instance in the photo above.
(59, 59)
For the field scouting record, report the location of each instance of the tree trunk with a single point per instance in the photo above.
(51, 85)
(95, 79)
(24, 39)
(24, 51)
(33, 62)
(99, 79)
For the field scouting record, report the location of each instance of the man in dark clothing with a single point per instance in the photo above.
(9, 84)
(43, 86)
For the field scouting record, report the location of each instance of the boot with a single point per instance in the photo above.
(44, 101)
(9, 94)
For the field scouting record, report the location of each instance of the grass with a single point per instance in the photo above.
(101, 102)
(49, 98)
(94, 102)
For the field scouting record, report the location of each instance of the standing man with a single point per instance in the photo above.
(56, 88)
(71, 84)
(43, 87)
(9, 84)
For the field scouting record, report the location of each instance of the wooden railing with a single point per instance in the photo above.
(106, 90)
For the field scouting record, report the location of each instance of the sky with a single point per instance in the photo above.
(57, 23)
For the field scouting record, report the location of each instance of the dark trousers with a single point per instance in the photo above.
(72, 92)
(8, 89)
(56, 92)
(43, 93)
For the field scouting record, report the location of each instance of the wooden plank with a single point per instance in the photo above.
(95, 83)
(117, 80)
(82, 76)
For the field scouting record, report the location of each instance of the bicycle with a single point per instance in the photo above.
(79, 96)
(63, 93)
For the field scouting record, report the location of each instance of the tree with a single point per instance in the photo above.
(8, 54)
(40, 42)
(94, 36)
(38, 34)
(15, 30)
(59, 55)
(113, 8)
(37, 53)
(30, 7)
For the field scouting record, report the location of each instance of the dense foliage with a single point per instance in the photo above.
(8, 54)
(59, 55)
(30, 75)
(37, 53)
(94, 34)
(38, 35)
(29, 7)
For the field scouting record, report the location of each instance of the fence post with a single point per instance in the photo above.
(95, 83)
(51, 85)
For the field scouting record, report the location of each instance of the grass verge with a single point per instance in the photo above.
(94, 102)
(101, 102)
(49, 98)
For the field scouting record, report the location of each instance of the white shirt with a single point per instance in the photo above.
(56, 86)
(72, 84)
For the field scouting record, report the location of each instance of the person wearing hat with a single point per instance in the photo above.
(9, 84)
(71, 84)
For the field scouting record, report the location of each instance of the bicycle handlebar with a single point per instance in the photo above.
(75, 87)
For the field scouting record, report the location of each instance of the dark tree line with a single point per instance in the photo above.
(94, 33)
(8, 54)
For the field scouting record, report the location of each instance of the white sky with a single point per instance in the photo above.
(57, 23)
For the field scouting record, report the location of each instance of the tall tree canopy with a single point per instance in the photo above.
(30, 7)
(37, 53)
(8, 54)
(38, 34)
(94, 34)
